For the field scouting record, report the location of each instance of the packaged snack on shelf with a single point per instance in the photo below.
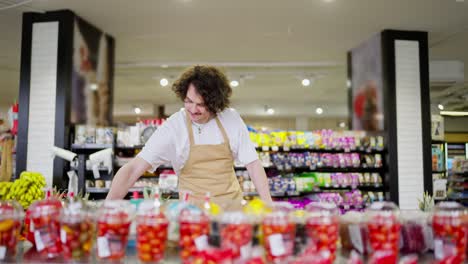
(301, 140)
(322, 228)
(113, 227)
(237, 234)
(450, 232)
(152, 231)
(413, 232)
(376, 179)
(77, 229)
(384, 226)
(80, 134)
(378, 161)
(90, 135)
(11, 217)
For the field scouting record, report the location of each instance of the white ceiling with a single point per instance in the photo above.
(285, 40)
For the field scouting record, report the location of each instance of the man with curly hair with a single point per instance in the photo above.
(201, 141)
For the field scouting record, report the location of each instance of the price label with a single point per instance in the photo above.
(103, 247)
(2, 252)
(63, 236)
(201, 242)
(38, 239)
(277, 245)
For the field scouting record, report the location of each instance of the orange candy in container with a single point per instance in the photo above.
(44, 224)
(194, 230)
(113, 223)
(384, 226)
(236, 234)
(77, 229)
(152, 228)
(11, 215)
(322, 228)
(450, 232)
(278, 235)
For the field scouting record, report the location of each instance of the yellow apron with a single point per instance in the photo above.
(210, 168)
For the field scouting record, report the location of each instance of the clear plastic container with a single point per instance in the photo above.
(322, 228)
(113, 224)
(77, 229)
(152, 228)
(11, 216)
(194, 231)
(236, 234)
(414, 232)
(383, 224)
(353, 232)
(278, 236)
(450, 232)
(45, 227)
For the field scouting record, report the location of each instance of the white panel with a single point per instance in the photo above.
(409, 124)
(41, 128)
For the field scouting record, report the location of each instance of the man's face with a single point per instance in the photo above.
(195, 106)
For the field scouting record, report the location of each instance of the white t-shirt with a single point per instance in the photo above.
(170, 142)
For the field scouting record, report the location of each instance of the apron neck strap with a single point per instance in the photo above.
(190, 130)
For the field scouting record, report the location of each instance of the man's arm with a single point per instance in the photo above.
(258, 176)
(126, 177)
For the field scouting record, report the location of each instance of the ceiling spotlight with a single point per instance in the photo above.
(93, 86)
(137, 110)
(328, 1)
(234, 83)
(319, 111)
(342, 124)
(440, 106)
(305, 82)
(348, 83)
(164, 82)
(270, 111)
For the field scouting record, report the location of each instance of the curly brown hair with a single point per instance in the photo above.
(212, 85)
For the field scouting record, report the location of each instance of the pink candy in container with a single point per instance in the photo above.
(11, 216)
(414, 232)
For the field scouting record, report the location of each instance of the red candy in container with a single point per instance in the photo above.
(44, 224)
(450, 232)
(113, 223)
(384, 227)
(152, 228)
(414, 232)
(194, 230)
(236, 234)
(278, 236)
(11, 215)
(77, 229)
(322, 228)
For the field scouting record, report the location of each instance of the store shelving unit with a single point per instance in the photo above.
(458, 183)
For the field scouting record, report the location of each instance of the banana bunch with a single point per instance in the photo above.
(4, 189)
(26, 189)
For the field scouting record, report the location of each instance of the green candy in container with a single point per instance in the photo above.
(383, 224)
(113, 227)
(44, 226)
(11, 216)
(450, 232)
(77, 229)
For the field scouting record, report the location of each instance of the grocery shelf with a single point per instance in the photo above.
(129, 147)
(438, 142)
(438, 171)
(317, 150)
(322, 169)
(91, 146)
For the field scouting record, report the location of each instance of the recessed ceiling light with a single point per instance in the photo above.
(319, 111)
(93, 87)
(440, 106)
(270, 111)
(164, 82)
(328, 1)
(454, 113)
(342, 124)
(137, 110)
(164, 66)
(234, 83)
(306, 82)
(348, 83)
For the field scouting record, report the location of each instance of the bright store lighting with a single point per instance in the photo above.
(329, 1)
(164, 82)
(234, 83)
(342, 124)
(454, 113)
(441, 107)
(306, 82)
(270, 111)
(319, 111)
(93, 87)
(137, 110)
(348, 83)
